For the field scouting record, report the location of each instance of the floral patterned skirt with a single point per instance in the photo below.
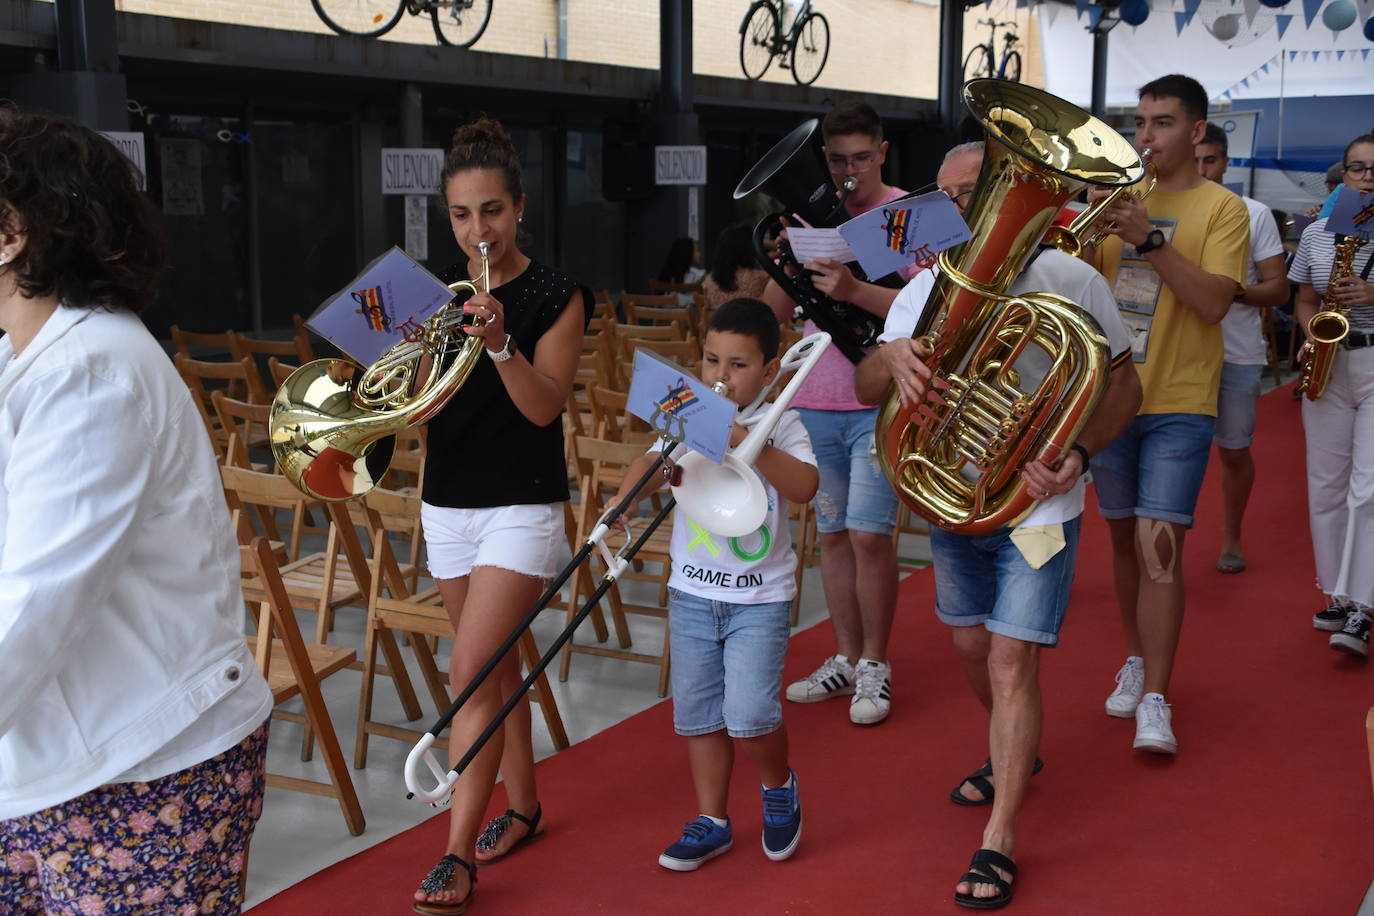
(176, 845)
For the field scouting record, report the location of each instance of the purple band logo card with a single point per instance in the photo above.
(679, 406)
(385, 304)
(907, 231)
(1353, 214)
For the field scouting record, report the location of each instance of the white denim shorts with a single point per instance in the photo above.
(524, 539)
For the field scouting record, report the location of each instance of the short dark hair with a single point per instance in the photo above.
(852, 118)
(1217, 137)
(1187, 90)
(91, 238)
(752, 318)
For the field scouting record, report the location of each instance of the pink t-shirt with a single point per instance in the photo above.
(830, 386)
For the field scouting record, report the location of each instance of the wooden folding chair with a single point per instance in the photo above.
(662, 287)
(419, 615)
(186, 341)
(203, 377)
(296, 349)
(293, 668)
(607, 462)
(278, 371)
(685, 353)
(320, 582)
(248, 425)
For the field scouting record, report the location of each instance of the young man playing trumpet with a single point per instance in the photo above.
(1004, 594)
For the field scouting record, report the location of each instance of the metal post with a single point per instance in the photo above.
(1099, 103)
(951, 62)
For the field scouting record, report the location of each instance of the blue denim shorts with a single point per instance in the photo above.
(985, 580)
(853, 495)
(1155, 468)
(1240, 390)
(727, 664)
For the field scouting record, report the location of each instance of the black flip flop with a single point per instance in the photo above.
(978, 779)
(980, 871)
(500, 824)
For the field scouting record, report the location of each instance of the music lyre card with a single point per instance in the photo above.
(1353, 214)
(383, 305)
(910, 230)
(680, 406)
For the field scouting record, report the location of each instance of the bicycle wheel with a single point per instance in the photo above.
(460, 22)
(1011, 67)
(810, 49)
(756, 39)
(361, 18)
(978, 63)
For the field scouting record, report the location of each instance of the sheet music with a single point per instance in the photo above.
(810, 244)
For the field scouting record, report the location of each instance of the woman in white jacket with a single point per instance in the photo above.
(132, 717)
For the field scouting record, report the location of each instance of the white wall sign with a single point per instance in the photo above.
(411, 171)
(131, 145)
(1240, 132)
(680, 165)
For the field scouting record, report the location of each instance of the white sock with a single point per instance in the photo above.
(719, 822)
(868, 661)
(1157, 696)
(1135, 660)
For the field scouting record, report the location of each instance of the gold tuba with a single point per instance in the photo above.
(1014, 378)
(333, 423)
(1328, 327)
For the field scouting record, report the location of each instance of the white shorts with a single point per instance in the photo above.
(524, 539)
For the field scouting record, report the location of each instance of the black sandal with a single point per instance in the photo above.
(980, 871)
(438, 879)
(978, 779)
(500, 824)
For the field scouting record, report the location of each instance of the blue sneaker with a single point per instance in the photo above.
(782, 820)
(701, 842)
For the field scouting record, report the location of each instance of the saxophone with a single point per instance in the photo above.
(1328, 327)
(1013, 378)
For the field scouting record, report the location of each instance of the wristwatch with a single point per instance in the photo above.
(503, 354)
(1152, 241)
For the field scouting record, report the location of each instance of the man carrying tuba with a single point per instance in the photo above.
(1004, 594)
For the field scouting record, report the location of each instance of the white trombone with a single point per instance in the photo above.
(741, 500)
(728, 498)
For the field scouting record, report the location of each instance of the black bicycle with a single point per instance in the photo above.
(456, 22)
(803, 48)
(980, 57)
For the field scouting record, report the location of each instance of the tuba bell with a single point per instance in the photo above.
(1013, 378)
(333, 423)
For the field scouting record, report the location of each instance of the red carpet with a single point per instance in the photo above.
(1264, 810)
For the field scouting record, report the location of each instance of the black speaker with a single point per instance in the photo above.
(627, 159)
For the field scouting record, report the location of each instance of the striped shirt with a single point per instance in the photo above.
(1312, 264)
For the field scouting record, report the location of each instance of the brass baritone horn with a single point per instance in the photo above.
(1072, 240)
(1328, 327)
(333, 423)
(1013, 378)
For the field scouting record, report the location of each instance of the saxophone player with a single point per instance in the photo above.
(1004, 594)
(1338, 426)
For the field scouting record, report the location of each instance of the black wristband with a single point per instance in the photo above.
(1082, 453)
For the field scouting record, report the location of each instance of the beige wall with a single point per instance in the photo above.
(883, 46)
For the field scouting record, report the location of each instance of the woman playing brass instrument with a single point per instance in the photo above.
(1340, 424)
(495, 479)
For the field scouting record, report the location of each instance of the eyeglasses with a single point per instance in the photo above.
(961, 198)
(1357, 168)
(860, 162)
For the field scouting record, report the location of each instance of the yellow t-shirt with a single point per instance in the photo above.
(1177, 354)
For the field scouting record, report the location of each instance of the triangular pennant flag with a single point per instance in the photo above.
(1094, 16)
(1245, 83)
(1284, 20)
(1180, 20)
(1190, 9)
(1364, 52)
(1050, 12)
(1292, 55)
(1310, 8)
(1081, 6)
(1265, 68)
(1251, 8)
(1340, 54)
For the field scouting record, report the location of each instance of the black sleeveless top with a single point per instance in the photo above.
(483, 453)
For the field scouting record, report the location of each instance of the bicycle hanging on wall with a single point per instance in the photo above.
(980, 57)
(802, 48)
(456, 22)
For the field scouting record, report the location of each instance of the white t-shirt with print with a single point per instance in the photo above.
(1052, 272)
(1242, 328)
(757, 568)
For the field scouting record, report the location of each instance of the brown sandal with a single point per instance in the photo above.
(438, 879)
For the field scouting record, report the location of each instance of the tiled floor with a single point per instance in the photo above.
(301, 834)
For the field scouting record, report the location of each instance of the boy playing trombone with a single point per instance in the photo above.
(730, 608)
